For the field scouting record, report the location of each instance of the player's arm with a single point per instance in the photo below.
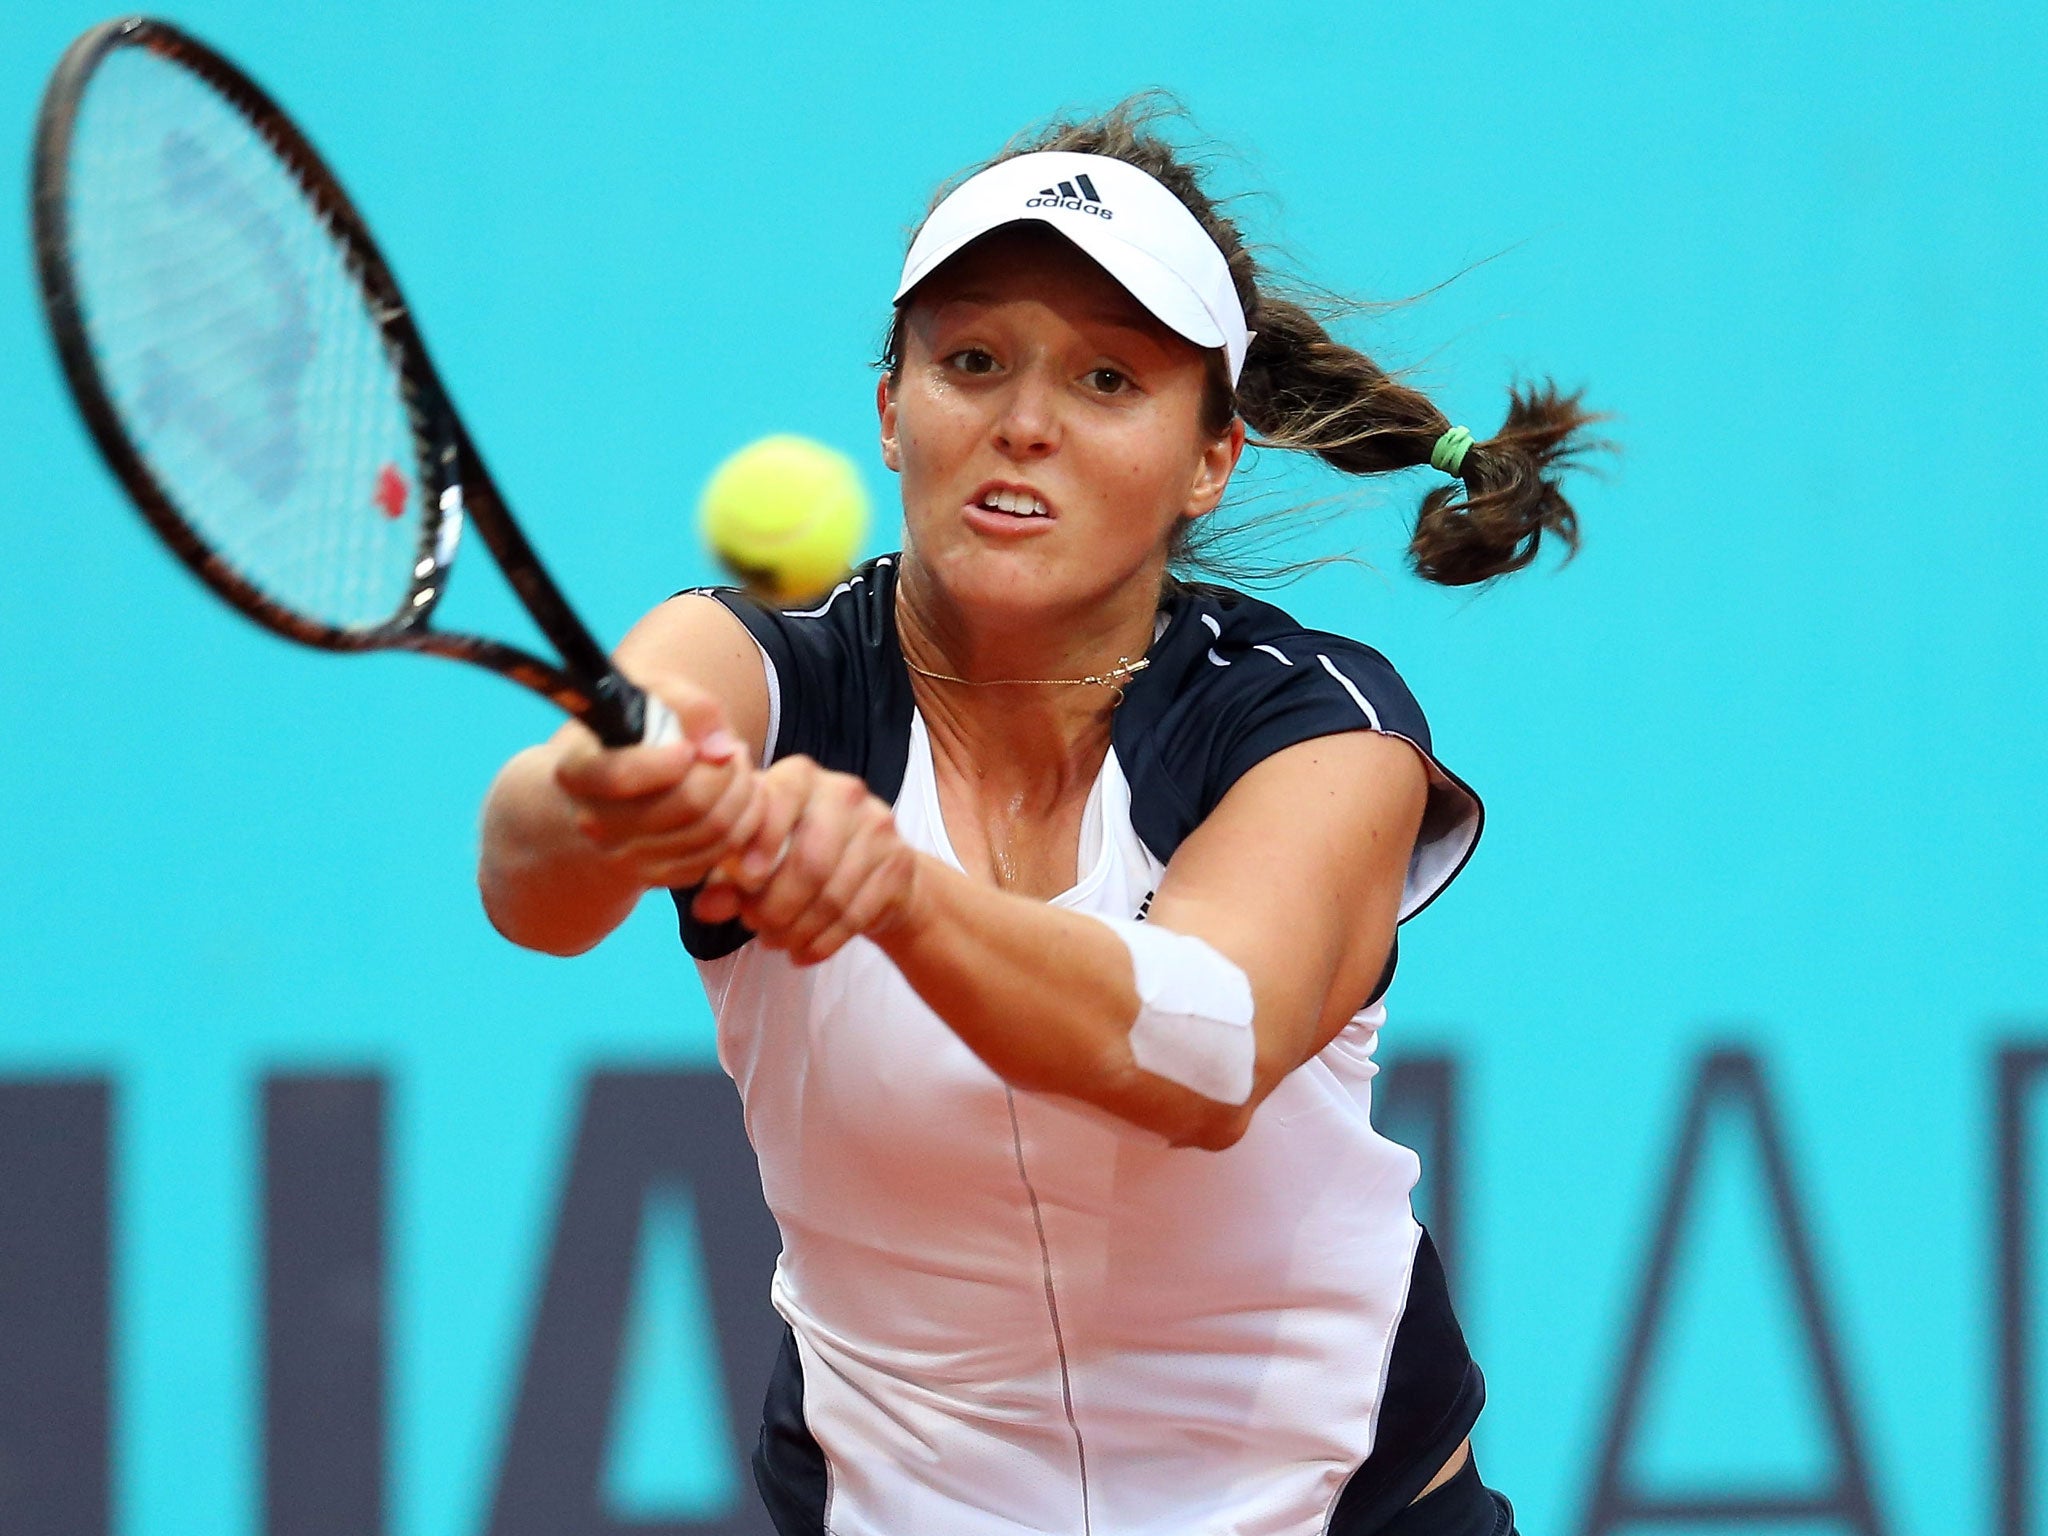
(1295, 879)
(574, 833)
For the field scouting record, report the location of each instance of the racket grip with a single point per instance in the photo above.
(658, 724)
(626, 716)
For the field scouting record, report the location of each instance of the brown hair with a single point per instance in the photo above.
(1302, 389)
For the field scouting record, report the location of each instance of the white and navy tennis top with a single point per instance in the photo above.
(1008, 1312)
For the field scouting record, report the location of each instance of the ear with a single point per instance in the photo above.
(1213, 471)
(885, 407)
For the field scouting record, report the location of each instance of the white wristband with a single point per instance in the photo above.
(1194, 1023)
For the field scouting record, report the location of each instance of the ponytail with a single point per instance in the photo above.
(1494, 522)
(1301, 389)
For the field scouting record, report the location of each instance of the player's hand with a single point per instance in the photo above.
(664, 815)
(823, 864)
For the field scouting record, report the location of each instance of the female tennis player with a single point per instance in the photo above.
(1048, 948)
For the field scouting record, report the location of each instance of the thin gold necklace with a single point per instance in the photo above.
(1115, 677)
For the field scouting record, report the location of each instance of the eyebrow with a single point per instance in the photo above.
(1118, 319)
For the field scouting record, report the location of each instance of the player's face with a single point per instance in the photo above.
(1047, 428)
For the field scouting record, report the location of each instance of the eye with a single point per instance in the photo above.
(1108, 381)
(973, 360)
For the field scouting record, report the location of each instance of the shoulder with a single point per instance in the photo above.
(838, 693)
(1234, 680)
(1230, 676)
(836, 681)
(1238, 649)
(853, 623)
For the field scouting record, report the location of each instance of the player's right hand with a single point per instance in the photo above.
(663, 815)
(825, 864)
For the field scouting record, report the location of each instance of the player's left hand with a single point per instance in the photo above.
(825, 863)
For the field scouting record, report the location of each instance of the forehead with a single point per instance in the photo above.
(1030, 262)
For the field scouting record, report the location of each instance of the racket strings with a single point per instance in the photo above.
(239, 348)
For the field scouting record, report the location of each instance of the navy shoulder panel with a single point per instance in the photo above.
(838, 694)
(1234, 680)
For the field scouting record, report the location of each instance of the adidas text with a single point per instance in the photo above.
(1076, 196)
(1073, 204)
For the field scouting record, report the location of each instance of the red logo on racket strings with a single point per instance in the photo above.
(392, 491)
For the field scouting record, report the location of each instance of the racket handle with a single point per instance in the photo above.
(658, 724)
(626, 716)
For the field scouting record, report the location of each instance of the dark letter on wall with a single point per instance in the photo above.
(323, 1306)
(637, 1131)
(2018, 1068)
(53, 1307)
(1417, 1105)
(1734, 1077)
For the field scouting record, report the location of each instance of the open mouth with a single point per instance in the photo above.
(1022, 504)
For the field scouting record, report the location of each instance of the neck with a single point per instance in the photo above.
(1009, 702)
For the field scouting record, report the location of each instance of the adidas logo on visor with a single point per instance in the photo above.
(1076, 196)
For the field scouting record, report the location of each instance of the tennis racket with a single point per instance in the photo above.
(254, 378)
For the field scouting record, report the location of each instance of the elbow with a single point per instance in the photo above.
(1212, 1125)
(1217, 1127)
(1176, 1114)
(509, 928)
(561, 946)
(530, 928)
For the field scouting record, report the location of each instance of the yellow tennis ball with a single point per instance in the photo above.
(785, 516)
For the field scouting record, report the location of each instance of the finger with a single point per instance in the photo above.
(870, 843)
(698, 810)
(716, 902)
(592, 772)
(886, 880)
(764, 851)
(822, 834)
(693, 856)
(889, 866)
(742, 823)
(855, 865)
(702, 718)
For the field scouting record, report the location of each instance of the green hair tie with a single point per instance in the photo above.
(1449, 453)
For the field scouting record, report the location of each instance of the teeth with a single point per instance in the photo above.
(1018, 503)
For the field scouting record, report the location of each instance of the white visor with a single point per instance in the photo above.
(1127, 223)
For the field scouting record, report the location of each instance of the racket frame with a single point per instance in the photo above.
(453, 484)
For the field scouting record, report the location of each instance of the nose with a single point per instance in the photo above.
(1027, 423)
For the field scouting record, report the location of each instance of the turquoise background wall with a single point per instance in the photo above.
(1764, 765)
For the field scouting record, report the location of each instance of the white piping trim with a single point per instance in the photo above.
(1276, 653)
(774, 681)
(836, 593)
(830, 598)
(1379, 1402)
(1351, 688)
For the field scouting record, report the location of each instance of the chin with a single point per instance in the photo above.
(1020, 581)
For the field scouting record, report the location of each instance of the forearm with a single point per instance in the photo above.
(545, 885)
(1045, 996)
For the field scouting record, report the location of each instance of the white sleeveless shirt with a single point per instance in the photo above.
(1015, 1313)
